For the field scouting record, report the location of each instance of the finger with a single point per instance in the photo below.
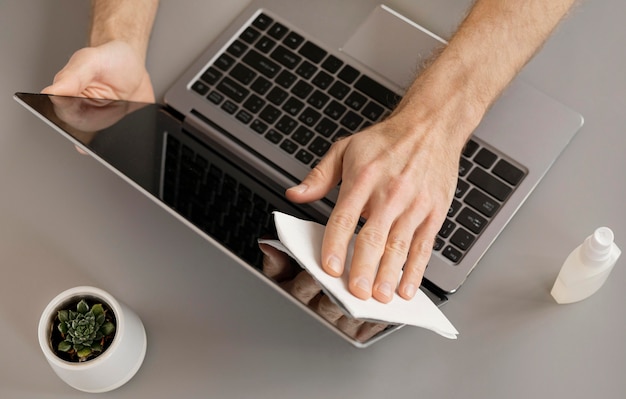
(396, 253)
(369, 330)
(303, 287)
(368, 250)
(339, 231)
(323, 178)
(349, 325)
(419, 255)
(326, 308)
(276, 264)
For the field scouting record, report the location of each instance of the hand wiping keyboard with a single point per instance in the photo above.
(303, 241)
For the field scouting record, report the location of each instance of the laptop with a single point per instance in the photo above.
(261, 106)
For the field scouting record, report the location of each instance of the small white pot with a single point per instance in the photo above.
(117, 364)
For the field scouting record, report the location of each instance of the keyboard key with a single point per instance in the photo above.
(348, 74)
(471, 220)
(332, 64)
(302, 89)
(244, 117)
(277, 31)
(464, 166)
(261, 64)
(229, 107)
(215, 97)
(326, 127)
(377, 91)
(273, 136)
(304, 156)
(306, 70)
(489, 184)
(277, 95)
(262, 21)
(463, 239)
(261, 85)
(293, 106)
(322, 80)
(254, 104)
(470, 148)
(372, 111)
(243, 74)
(355, 100)
(232, 89)
(258, 126)
(288, 146)
(318, 99)
(211, 76)
(200, 88)
(335, 110)
(285, 78)
(454, 208)
(351, 121)
(453, 254)
(508, 172)
(312, 52)
(339, 90)
(438, 244)
(265, 44)
(319, 146)
(224, 62)
(309, 116)
(286, 124)
(447, 228)
(293, 40)
(237, 48)
(270, 114)
(482, 202)
(302, 136)
(286, 57)
(485, 158)
(250, 35)
(461, 188)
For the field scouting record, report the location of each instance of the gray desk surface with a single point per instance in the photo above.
(66, 221)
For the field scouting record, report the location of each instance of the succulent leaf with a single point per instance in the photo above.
(107, 328)
(64, 346)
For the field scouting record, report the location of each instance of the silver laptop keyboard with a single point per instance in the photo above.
(302, 98)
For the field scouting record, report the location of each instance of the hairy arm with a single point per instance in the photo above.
(129, 21)
(401, 174)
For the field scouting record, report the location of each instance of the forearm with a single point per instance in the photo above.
(127, 20)
(493, 43)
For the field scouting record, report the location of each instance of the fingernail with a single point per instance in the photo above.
(410, 290)
(363, 283)
(334, 264)
(300, 188)
(385, 289)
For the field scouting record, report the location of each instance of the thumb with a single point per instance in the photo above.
(75, 75)
(323, 178)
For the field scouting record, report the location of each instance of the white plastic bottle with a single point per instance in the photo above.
(586, 269)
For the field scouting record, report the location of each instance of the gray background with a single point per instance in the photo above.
(214, 331)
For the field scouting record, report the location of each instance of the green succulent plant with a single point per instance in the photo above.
(83, 330)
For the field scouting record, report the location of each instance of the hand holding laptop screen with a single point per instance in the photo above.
(400, 174)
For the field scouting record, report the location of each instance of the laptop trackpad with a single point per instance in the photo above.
(387, 35)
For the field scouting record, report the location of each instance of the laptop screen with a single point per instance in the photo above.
(210, 190)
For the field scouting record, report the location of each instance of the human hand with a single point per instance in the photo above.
(113, 71)
(299, 283)
(400, 175)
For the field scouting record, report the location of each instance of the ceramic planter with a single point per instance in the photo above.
(112, 368)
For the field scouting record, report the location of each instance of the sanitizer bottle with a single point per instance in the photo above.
(586, 269)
